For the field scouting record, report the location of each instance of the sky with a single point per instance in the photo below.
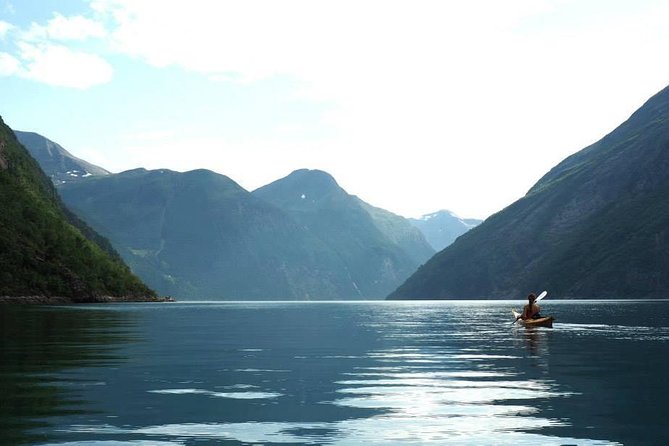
(414, 106)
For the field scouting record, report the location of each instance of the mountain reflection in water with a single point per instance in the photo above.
(41, 349)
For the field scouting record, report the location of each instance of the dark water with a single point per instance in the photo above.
(334, 373)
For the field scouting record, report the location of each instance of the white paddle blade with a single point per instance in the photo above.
(541, 296)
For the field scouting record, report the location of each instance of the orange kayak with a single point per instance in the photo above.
(541, 322)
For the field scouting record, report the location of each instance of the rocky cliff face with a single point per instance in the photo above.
(594, 226)
(3, 162)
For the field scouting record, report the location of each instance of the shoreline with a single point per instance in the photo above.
(60, 300)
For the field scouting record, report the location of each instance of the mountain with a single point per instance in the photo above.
(441, 228)
(59, 164)
(379, 249)
(199, 235)
(42, 251)
(596, 225)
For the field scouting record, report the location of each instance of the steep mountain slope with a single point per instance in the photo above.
(59, 164)
(199, 235)
(41, 252)
(596, 225)
(441, 228)
(379, 249)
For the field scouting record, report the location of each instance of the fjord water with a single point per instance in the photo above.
(334, 373)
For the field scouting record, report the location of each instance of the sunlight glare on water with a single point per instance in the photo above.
(361, 373)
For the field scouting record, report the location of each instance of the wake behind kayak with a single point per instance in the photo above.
(541, 322)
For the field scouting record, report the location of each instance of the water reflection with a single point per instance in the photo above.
(247, 395)
(341, 374)
(37, 347)
(533, 340)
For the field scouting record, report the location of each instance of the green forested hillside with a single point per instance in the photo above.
(596, 225)
(41, 252)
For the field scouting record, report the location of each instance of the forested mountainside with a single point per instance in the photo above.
(596, 225)
(44, 249)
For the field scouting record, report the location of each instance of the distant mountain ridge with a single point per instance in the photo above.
(59, 164)
(380, 249)
(596, 225)
(45, 251)
(200, 235)
(441, 228)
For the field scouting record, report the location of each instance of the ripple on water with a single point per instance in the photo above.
(233, 395)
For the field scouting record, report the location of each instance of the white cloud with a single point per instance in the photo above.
(456, 94)
(74, 28)
(5, 27)
(468, 102)
(61, 66)
(9, 65)
(305, 38)
(61, 28)
(33, 54)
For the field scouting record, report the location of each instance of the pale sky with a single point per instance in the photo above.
(414, 105)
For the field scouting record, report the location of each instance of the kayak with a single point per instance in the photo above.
(541, 322)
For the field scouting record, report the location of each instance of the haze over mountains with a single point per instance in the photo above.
(377, 247)
(441, 228)
(596, 225)
(199, 235)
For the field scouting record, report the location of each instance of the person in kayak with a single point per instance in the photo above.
(531, 310)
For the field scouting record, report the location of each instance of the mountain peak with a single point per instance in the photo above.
(59, 164)
(379, 249)
(444, 213)
(303, 187)
(441, 228)
(313, 178)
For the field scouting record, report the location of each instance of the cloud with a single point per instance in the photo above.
(9, 65)
(453, 93)
(63, 28)
(60, 66)
(259, 38)
(432, 86)
(4, 28)
(55, 53)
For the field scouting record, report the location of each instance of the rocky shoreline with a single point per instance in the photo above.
(59, 300)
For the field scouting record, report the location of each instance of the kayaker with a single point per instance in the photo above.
(531, 310)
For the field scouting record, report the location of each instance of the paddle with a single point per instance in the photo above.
(539, 297)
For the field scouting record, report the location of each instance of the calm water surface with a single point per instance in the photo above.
(334, 373)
